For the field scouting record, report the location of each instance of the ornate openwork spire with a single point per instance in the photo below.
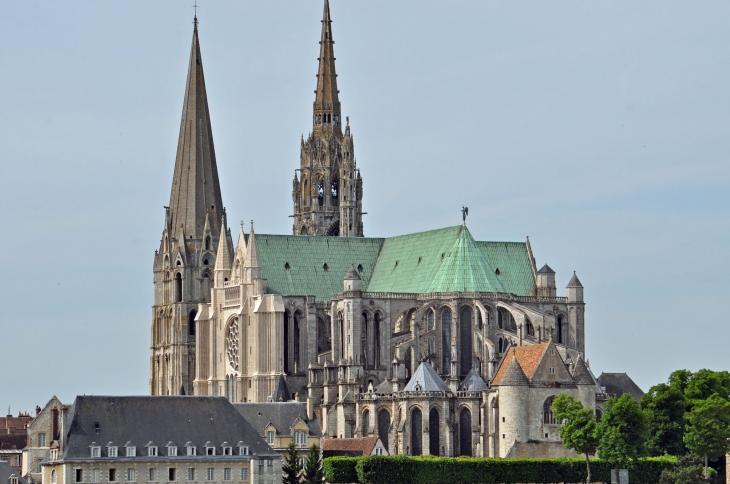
(327, 102)
(195, 186)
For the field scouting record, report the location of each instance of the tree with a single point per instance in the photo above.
(689, 470)
(579, 430)
(705, 383)
(313, 473)
(665, 406)
(709, 428)
(622, 432)
(292, 468)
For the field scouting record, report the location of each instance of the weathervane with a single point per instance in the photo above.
(464, 213)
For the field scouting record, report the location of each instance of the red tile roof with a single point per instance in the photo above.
(365, 445)
(528, 358)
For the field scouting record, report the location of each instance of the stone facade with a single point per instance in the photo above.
(348, 321)
(45, 429)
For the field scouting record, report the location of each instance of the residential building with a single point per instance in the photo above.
(9, 474)
(159, 439)
(354, 447)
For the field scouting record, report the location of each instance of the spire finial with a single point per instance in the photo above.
(195, 15)
(464, 213)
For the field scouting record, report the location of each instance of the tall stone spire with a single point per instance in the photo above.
(327, 193)
(327, 100)
(194, 227)
(195, 186)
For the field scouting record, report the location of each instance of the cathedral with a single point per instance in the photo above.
(436, 342)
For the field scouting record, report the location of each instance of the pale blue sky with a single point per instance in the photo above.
(599, 129)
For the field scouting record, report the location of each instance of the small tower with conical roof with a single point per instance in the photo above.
(576, 312)
(546, 282)
(327, 191)
(184, 263)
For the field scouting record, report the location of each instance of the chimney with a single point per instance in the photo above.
(310, 408)
(37, 410)
(55, 434)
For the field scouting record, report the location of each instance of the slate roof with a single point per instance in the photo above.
(6, 470)
(442, 260)
(349, 447)
(427, 379)
(616, 384)
(281, 415)
(581, 373)
(157, 419)
(281, 392)
(512, 375)
(527, 357)
(546, 270)
(473, 382)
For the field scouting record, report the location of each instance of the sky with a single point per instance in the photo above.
(601, 130)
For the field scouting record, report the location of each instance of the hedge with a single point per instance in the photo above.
(447, 470)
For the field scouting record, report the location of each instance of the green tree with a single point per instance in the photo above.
(705, 383)
(313, 473)
(292, 468)
(622, 432)
(665, 406)
(689, 470)
(709, 428)
(579, 430)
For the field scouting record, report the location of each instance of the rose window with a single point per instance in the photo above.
(232, 344)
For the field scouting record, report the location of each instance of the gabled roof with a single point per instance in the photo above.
(581, 373)
(527, 358)
(281, 392)
(281, 415)
(157, 419)
(426, 379)
(6, 470)
(349, 447)
(616, 384)
(546, 270)
(473, 382)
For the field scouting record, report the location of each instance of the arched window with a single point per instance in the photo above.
(305, 193)
(431, 320)
(559, 329)
(376, 340)
(323, 336)
(207, 244)
(500, 323)
(529, 328)
(465, 335)
(53, 476)
(206, 287)
(547, 412)
(365, 422)
(599, 415)
(416, 432)
(409, 363)
(384, 426)
(446, 341)
(320, 193)
(465, 432)
(297, 338)
(342, 335)
(178, 287)
(191, 322)
(433, 431)
(287, 317)
(500, 345)
(365, 356)
(480, 324)
(335, 189)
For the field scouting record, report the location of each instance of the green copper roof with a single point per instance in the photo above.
(306, 257)
(443, 260)
(512, 261)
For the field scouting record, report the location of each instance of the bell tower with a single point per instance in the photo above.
(327, 190)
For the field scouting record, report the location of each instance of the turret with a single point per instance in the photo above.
(546, 282)
(222, 268)
(574, 289)
(353, 281)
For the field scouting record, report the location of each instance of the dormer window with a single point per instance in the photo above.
(13, 479)
(54, 454)
(227, 449)
(151, 450)
(209, 449)
(130, 450)
(242, 449)
(190, 449)
(171, 450)
(270, 437)
(112, 450)
(95, 450)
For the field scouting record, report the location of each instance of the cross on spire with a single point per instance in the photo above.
(195, 17)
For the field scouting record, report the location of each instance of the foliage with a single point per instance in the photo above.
(689, 470)
(705, 383)
(579, 430)
(437, 470)
(665, 406)
(291, 469)
(622, 431)
(313, 473)
(709, 428)
(340, 469)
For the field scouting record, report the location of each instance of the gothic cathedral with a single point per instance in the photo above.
(435, 342)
